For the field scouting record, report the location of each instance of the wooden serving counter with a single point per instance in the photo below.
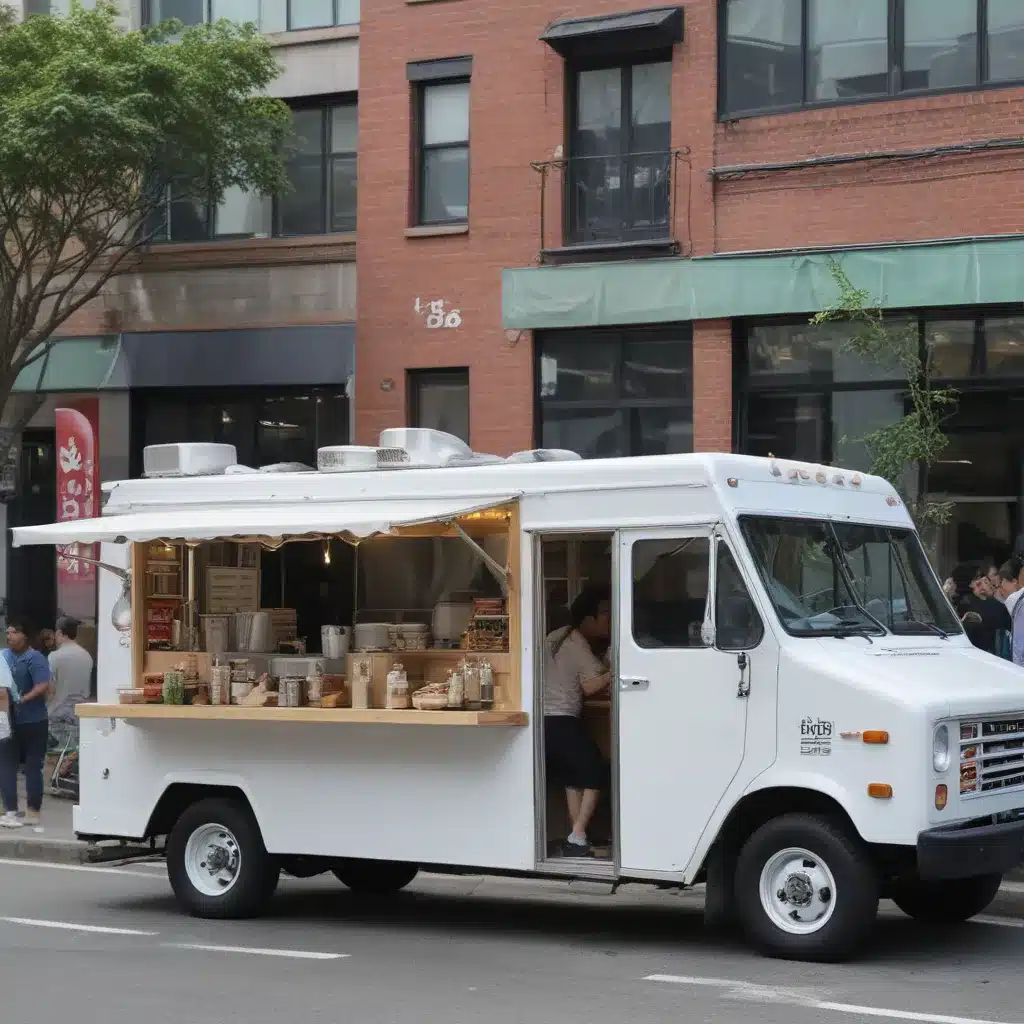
(227, 713)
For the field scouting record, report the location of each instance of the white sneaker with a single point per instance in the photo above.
(11, 820)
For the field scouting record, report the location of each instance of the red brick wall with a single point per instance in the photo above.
(517, 117)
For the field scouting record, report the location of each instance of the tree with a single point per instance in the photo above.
(96, 124)
(913, 444)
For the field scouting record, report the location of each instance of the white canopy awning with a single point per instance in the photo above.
(357, 518)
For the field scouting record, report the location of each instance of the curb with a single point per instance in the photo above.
(66, 851)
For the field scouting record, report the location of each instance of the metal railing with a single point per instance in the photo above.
(619, 198)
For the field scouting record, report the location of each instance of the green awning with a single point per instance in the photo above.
(972, 272)
(72, 364)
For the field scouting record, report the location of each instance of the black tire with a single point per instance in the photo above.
(375, 877)
(257, 874)
(855, 894)
(951, 902)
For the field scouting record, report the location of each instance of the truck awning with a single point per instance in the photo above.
(357, 518)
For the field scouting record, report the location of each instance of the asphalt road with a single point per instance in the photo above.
(108, 946)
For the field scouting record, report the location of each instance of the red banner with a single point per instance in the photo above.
(78, 497)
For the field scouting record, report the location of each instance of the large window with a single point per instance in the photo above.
(269, 15)
(322, 171)
(619, 165)
(443, 153)
(607, 393)
(439, 400)
(784, 54)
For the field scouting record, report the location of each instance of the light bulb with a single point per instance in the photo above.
(121, 614)
(327, 552)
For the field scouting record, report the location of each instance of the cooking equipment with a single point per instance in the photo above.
(372, 636)
(216, 633)
(334, 641)
(450, 620)
(291, 692)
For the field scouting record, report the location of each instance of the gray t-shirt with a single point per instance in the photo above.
(565, 670)
(71, 671)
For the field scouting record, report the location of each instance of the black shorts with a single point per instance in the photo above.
(571, 757)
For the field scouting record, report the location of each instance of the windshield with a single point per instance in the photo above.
(833, 579)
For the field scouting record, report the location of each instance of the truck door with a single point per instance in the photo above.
(684, 661)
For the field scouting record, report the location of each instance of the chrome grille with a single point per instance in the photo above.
(991, 756)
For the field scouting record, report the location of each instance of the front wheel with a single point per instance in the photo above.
(806, 889)
(951, 902)
(375, 877)
(217, 863)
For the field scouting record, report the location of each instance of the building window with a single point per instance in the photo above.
(786, 54)
(443, 153)
(619, 163)
(322, 170)
(607, 393)
(439, 400)
(269, 15)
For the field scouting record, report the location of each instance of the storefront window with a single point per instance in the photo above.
(609, 393)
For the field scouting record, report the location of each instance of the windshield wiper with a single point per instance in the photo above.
(938, 631)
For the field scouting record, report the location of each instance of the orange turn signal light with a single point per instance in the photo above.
(879, 736)
(941, 796)
(880, 790)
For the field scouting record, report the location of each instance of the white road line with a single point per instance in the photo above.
(770, 994)
(294, 954)
(11, 863)
(1001, 922)
(69, 926)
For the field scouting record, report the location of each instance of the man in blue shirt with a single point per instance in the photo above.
(31, 726)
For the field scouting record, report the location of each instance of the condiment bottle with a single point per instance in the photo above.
(314, 685)
(486, 686)
(456, 689)
(398, 688)
(361, 669)
(471, 680)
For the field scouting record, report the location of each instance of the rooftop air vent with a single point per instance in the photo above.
(177, 460)
(545, 455)
(346, 458)
(421, 448)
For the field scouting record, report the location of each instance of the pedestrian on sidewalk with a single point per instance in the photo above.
(31, 725)
(71, 666)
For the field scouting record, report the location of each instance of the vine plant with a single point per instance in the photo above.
(909, 447)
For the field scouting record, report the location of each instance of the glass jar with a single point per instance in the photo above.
(486, 686)
(456, 689)
(471, 681)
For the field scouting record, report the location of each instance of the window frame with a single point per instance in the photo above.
(681, 541)
(416, 377)
(895, 46)
(420, 148)
(149, 5)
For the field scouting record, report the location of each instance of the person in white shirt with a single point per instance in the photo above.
(71, 666)
(1011, 588)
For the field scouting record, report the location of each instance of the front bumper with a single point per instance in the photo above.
(966, 850)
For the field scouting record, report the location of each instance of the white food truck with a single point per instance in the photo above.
(795, 716)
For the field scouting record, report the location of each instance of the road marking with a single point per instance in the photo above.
(69, 926)
(751, 992)
(294, 954)
(1012, 886)
(11, 863)
(1001, 922)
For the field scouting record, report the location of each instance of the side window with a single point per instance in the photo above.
(670, 591)
(738, 626)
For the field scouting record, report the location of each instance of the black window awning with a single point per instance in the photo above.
(657, 28)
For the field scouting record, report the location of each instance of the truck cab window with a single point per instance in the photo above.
(670, 591)
(738, 626)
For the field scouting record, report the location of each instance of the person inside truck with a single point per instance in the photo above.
(572, 671)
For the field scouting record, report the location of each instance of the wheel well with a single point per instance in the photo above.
(756, 809)
(179, 796)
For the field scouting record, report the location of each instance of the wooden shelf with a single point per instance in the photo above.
(377, 716)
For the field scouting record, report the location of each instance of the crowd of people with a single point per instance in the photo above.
(988, 601)
(41, 676)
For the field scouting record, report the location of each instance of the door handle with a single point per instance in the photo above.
(626, 685)
(743, 664)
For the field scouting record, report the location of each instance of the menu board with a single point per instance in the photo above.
(232, 590)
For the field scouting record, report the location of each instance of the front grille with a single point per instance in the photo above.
(991, 756)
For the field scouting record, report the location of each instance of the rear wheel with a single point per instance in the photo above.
(806, 889)
(949, 902)
(375, 877)
(217, 863)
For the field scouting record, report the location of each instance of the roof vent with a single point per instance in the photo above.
(346, 458)
(177, 460)
(419, 448)
(545, 455)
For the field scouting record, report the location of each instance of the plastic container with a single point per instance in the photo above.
(220, 684)
(456, 690)
(174, 686)
(398, 688)
(135, 695)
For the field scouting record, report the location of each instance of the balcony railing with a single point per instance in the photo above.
(609, 204)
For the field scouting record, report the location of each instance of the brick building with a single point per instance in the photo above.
(652, 198)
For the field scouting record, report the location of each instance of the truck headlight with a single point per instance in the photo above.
(940, 749)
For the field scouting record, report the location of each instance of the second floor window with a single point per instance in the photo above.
(619, 162)
(785, 54)
(444, 153)
(322, 170)
(270, 15)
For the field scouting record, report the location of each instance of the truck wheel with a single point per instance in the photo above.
(375, 877)
(806, 889)
(949, 902)
(217, 863)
